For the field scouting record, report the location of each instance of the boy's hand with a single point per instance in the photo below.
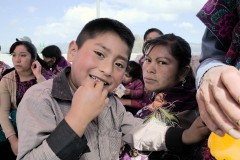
(197, 132)
(88, 102)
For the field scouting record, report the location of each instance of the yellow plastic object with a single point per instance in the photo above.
(224, 148)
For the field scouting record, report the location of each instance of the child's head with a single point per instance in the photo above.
(133, 72)
(103, 25)
(152, 33)
(51, 55)
(167, 62)
(102, 48)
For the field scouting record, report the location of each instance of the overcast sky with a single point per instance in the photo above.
(60, 21)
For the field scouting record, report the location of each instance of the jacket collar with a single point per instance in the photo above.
(61, 89)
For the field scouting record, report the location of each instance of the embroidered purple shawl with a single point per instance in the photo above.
(222, 18)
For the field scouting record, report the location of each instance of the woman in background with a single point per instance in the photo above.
(26, 72)
(167, 73)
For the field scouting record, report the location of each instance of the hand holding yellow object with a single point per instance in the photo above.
(224, 148)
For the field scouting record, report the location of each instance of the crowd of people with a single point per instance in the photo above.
(55, 108)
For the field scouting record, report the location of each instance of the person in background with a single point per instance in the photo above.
(149, 34)
(52, 55)
(46, 72)
(152, 33)
(26, 73)
(218, 76)
(78, 103)
(134, 88)
(3, 66)
(167, 73)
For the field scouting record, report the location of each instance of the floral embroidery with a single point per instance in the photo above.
(209, 7)
(222, 18)
(162, 110)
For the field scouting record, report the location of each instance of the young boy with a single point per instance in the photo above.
(74, 116)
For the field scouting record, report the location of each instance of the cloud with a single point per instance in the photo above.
(187, 26)
(70, 24)
(132, 12)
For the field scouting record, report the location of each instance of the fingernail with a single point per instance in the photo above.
(219, 132)
(234, 133)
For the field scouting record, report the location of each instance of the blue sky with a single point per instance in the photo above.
(60, 21)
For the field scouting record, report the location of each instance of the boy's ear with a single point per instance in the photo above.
(72, 49)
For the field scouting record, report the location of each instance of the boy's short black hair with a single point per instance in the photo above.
(103, 25)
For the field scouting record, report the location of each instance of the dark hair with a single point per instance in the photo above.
(103, 25)
(52, 51)
(29, 46)
(178, 47)
(43, 63)
(152, 30)
(134, 70)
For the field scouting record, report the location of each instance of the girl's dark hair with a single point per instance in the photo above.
(29, 46)
(43, 63)
(179, 49)
(152, 30)
(134, 70)
(103, 25)
(52, 51)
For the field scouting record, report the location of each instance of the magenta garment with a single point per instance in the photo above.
(136, 87)
(3, 67)
(22, 87)
(60, 65)
(49, 74)
(221, 17)
(139, 97)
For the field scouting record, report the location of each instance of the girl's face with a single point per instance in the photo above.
(160, 69)
(22, 59)
(127, 78)
(102, 58)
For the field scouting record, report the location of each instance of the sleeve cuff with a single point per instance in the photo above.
(66, 144)
(204, 67)
(173, 139)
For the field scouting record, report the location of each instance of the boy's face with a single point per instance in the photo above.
(103, 58)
